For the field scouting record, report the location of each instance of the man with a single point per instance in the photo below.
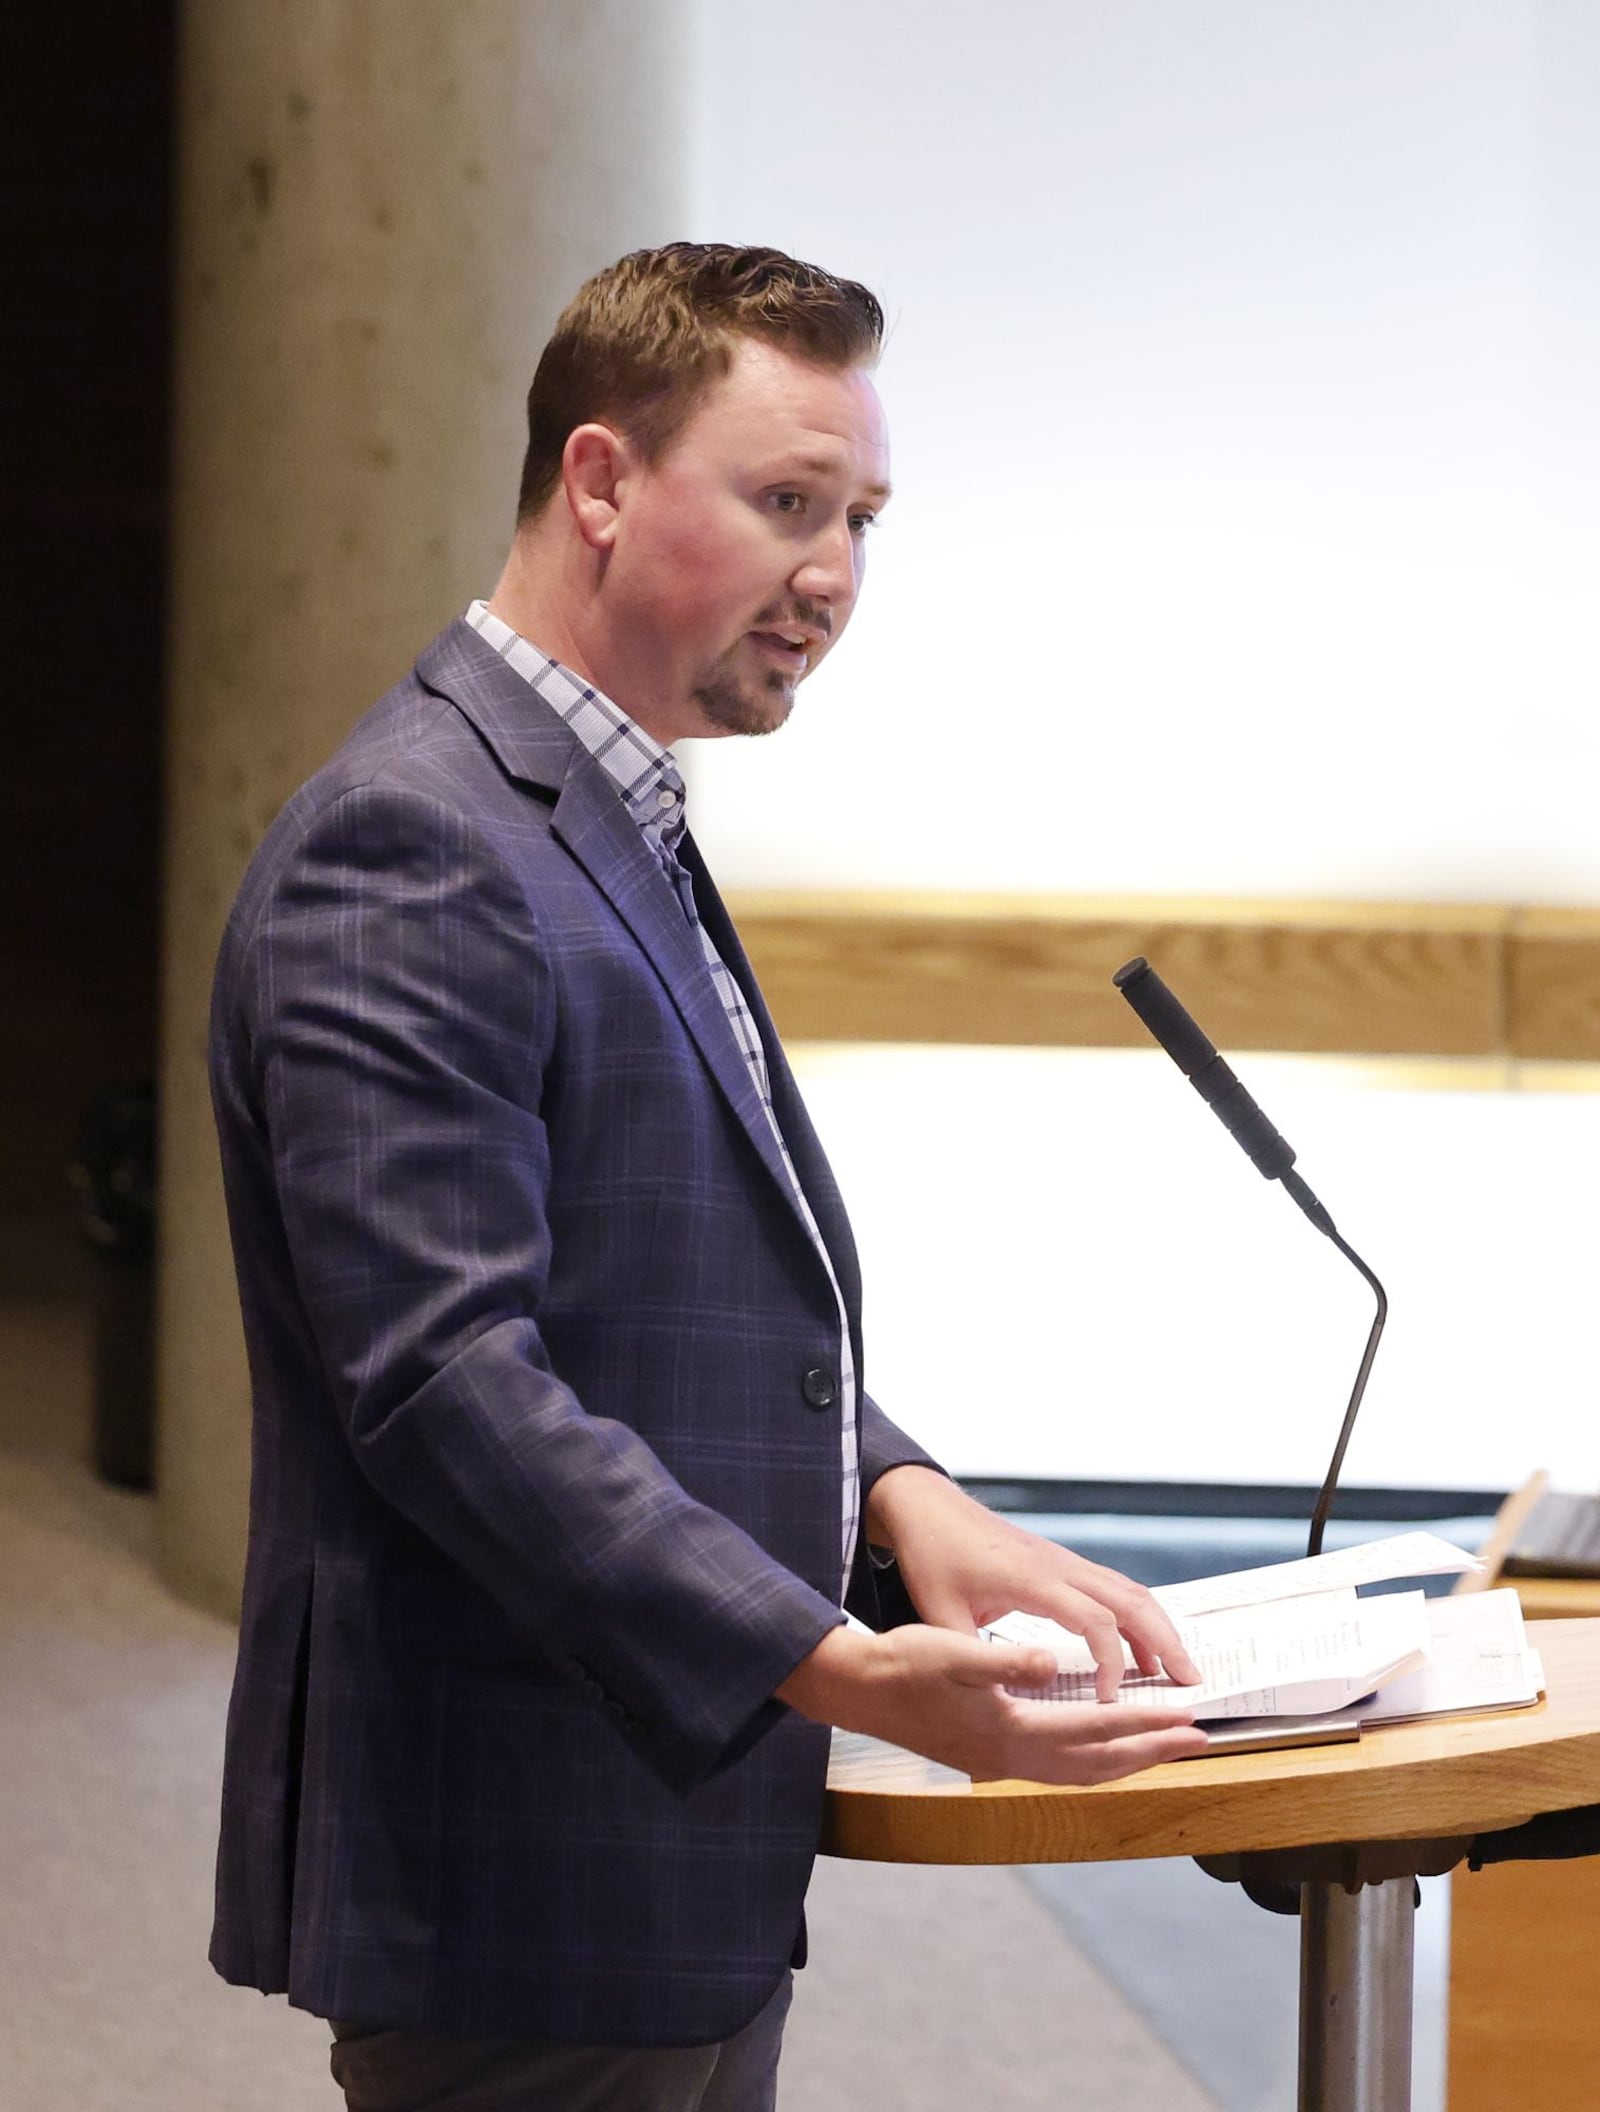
(561, 1461)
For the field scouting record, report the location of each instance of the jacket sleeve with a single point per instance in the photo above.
(884, 1445)
(399, 1011)
(877, 1593)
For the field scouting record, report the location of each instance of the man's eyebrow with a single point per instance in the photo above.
(825, 466)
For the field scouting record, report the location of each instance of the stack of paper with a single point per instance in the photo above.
(1294, 1639)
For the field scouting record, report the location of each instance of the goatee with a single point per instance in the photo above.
(731, 706)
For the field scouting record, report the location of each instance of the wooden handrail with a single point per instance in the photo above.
(1423, 979)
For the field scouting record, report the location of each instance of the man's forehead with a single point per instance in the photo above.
(816, 420)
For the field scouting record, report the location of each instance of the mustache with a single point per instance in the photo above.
(801, 614)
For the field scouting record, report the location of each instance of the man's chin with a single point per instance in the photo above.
(730, 708)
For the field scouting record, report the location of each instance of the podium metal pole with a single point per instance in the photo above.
(1355, 1996)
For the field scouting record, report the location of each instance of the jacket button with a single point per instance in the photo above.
(820, 1387)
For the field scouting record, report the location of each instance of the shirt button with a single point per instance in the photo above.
(820, 1387)
(666, 797)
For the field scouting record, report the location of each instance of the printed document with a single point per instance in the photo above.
(1295, 1639)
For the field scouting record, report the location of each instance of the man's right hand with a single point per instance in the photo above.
(944, 1695)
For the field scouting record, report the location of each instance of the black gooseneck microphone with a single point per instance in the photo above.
(1272, 1155)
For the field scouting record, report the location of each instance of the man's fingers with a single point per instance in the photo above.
(1108, 1742)
(1151, 1635)
(1147, 1660)
(1066, 1743)
(1104, 1608)
(1099, 1629)
(1179, 1665)
(1098, 1626)
(1097, 1723)
(984, 1707)
(1126, 1756)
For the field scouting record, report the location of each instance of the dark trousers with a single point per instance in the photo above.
(417, 2071)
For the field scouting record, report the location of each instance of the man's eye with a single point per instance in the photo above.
(861, 522)
(788, 501)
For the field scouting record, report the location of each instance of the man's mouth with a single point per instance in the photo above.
(793, 646)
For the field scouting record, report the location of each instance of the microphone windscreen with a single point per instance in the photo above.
(1196, 1056)
(1167, 1020)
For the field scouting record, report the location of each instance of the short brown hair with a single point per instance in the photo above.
(640, 343)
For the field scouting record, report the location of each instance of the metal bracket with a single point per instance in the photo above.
(1348, 1864)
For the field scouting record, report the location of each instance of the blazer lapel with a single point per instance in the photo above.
(533, 744)
(595, 826)
(805, 1147)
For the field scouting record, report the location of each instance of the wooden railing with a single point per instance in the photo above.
(1354, 977)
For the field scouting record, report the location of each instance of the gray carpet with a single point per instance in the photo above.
(1218, 1979)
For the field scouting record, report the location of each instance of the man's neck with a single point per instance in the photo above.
(535, 597)
(550, 593)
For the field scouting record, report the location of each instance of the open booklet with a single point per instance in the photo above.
(1294, 1641)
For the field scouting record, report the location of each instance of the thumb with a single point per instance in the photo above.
(1003, 1665)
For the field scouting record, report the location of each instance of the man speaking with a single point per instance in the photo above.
(562, 1466)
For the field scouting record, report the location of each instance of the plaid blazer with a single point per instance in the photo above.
(545, 1493)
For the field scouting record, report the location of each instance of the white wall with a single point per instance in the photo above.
(1242, 382)
(1071, 1271)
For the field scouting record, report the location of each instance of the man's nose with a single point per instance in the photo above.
(830, 568)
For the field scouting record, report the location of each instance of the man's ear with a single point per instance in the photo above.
(593, 465)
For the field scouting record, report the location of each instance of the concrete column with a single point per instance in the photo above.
(382, 209)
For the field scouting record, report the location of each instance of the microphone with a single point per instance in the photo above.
(1273, 1156)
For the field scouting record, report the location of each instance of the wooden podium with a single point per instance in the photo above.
(1352, 1824)
(1524, 1981)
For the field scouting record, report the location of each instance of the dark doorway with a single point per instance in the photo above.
(86, 185)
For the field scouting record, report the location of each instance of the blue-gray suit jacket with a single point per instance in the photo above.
(546, 1471)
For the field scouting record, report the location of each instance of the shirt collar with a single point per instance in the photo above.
(645, 773)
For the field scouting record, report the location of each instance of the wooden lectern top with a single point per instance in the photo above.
(1451, 1776)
